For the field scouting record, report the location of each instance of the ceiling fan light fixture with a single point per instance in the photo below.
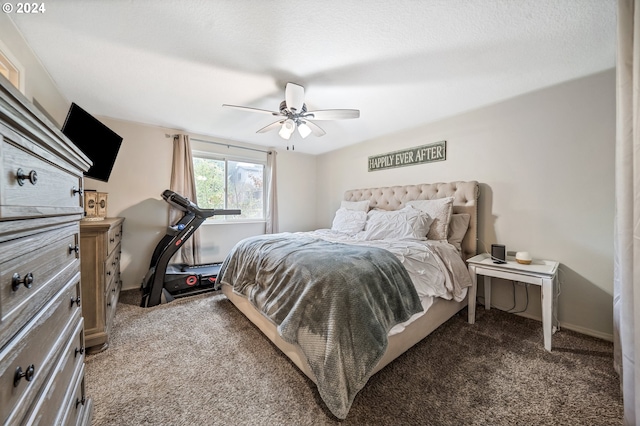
(287, 129)
(304, 130)
(293, 114)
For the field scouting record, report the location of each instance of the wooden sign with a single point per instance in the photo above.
(409, 157)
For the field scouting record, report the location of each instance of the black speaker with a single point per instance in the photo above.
(498, 253)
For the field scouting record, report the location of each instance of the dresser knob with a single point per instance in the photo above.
(75, 191)
(31, 177)
(112, 240)
(28, 375)
(75, 300)
(80, 401)
(75, 249)
(79, 351)
(16, 281)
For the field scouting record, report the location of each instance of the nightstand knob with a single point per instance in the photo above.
(75, 249)
(28, 375)
(75, 191)
(75, 300)
(16, 281)
(79, 351)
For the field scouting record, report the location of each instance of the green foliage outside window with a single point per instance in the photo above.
(244, 186)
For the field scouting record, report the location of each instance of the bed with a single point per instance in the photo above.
(280, 282)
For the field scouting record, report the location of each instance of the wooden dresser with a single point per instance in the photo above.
(100, 250)
(41, 326)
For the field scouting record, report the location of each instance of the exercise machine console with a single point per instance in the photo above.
(164, 282)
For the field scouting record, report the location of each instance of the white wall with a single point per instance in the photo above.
(545, 162)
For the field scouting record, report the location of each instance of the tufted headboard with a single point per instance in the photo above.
(394, 197)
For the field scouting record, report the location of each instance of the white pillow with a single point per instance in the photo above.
(458, 229)
(355, 205)
(349, 221)
(400, 224)
(440, 211)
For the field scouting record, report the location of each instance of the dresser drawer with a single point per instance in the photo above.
(50, 409)
(112, 265)
(114, 236)
(33, 187)
(33, 351)
(78, 408)
(45, 261)
(111, 297)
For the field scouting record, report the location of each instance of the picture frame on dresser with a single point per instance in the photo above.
(42, 341)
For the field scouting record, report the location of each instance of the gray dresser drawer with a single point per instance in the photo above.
(79, 407)
(47, 261)
(114, 237)
(26, 353)
(44, 189)
(59, 392)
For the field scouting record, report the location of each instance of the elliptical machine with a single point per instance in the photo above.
(164, 282)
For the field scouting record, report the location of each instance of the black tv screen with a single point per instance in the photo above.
(94, 139)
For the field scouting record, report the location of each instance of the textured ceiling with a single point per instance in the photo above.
(403, 63)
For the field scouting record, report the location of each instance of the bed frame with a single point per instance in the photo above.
(392, 198)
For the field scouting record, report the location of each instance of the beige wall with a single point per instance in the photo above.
(545, 162)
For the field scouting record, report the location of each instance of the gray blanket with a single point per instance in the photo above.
(336, 301)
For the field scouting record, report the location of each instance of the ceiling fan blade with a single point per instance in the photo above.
(271, 126)
(294, 97)
(333, 114)
(244, 108)
(315, 129)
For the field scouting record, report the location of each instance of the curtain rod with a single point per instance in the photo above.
(224, 144)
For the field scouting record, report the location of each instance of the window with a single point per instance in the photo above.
(224, 183)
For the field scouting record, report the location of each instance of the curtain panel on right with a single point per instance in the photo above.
(626, 300)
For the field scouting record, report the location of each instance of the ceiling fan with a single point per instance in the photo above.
(294, 115)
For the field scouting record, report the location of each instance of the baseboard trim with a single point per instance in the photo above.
(577, 328)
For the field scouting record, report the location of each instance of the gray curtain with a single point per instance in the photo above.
(272, 195)
(183, 182)
(627, 215)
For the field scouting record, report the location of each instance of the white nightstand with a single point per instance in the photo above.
(539, 272)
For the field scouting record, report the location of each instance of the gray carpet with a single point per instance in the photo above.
(199, 361)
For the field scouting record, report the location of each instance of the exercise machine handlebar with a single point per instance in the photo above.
(182, 203)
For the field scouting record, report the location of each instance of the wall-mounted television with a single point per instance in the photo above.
(94, 139)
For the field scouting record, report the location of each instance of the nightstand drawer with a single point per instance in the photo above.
(26, 355)
(45, 262)
(33, 187)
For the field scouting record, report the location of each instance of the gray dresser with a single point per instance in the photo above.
(41, 325)
(101, 284)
